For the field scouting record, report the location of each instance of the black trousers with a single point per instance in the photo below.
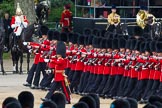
(40, 68)
(31, 73)
(75, 80)
(83, 81)
(102, 84)
(91, 82)
(113, 90)
(70, 75)
(139, 90)
(47, 79)
(121, 86)
(131, 85)
(109, 84)
(67, 70)
(57, 85)
(85, 90)
(96, 83)
(148, 88)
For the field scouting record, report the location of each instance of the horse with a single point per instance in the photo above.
(18, 49)
(42, 10)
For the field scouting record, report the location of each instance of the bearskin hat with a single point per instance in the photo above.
(44, 29)
(115, 43)
(63, 37)
(152, 46)
(132, 44)
(26, 99)
(75, 38)
(120, 103)
(121, 42)
(95, 42)
(96, 32)
(50, 34)
(109, 43)
(138, 31)
(137, 46)
(61, 49)
(80, 40)
(70, 37)
(147, 46)
(128, 43)
(87, 32)
(56, 35)
(142, 46)
(90, 38)
(158, 47)
(102, 43)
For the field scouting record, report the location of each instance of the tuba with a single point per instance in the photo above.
(141, 18)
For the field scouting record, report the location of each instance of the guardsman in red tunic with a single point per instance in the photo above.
(107, 67)
(132, 74)
(114, 68)
(159, 67)
(92, 64)
(72, 61)
(33, 48)
(127, 63)
(66, 19)
(41, 65)
(60, 77)
(81, 54)
(100, 64)
(120, 71)
(86, 70)
(153, 76)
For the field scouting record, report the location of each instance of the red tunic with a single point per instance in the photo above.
(59, 69)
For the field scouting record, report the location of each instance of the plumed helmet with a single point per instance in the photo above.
(18, 9)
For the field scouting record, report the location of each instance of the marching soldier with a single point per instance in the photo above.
(41, 65)
(59, 79)
(113, 20)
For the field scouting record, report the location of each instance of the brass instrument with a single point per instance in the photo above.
(140, 18)
(143, 18)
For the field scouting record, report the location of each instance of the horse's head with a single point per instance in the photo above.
(31, 31)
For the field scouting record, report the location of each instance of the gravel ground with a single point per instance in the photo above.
(11, 85)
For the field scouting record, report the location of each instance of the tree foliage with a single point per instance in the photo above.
(7, 6)
(57, 8)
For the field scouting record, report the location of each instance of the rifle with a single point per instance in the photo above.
(138, 66)
(108, 62)
(74, 57)
(157, 66)
(128, 66)
(151, 65)
(100, 62)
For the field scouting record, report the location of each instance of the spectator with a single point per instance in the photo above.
(26, 99)
(8, 100)
(48, 104)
